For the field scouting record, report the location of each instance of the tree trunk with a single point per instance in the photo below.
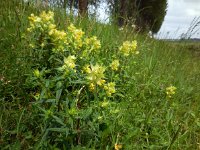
(83, 8)
(122, 12)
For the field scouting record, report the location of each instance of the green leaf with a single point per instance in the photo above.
(78, 82)
(58, 120)
(58, 94)
(87, 113)
(64, 130)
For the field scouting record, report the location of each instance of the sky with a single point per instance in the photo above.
(180, 14)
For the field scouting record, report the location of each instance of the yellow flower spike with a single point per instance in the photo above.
(110, 88)
(118, 146)
(114, 65)
(101, 82)
(70, 61)
(96, 43)
(95, 74)
(105, 104)
(92, 87)
(36, 73)
(87, 69)
(87, 41)
(78, 34)
(133, 46)
(129, 47)
(125, 48)
(170, 91)
(47, 17)
(93, 43)
(52, 26)
(71, 28)
(57, 35)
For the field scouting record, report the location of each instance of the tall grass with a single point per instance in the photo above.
(147, 119)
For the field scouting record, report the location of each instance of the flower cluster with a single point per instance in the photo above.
(69, 64)
(170, 91)
(79, 42)
(43, 22)
(70, 43)
(95, 75)
(128, 48)
(110, 88)
(114, 65)
(93, 43)
(59, 39)
(77, 36)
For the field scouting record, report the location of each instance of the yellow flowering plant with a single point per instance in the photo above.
(128, 48)
(171, 90)
(70, 77)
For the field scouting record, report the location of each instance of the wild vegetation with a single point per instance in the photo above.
(73, 83)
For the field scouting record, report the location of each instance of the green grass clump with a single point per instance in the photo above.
(73, 83)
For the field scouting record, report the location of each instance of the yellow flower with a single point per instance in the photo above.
(92, 87)
(104, 104)
(32, 45)
(36, 73)
(29, 29)
(100, 118)
(79, 43)
(59, 39)
(57, 35)
(86, 69)
(52, 26)
(34, 19)
(133, 47)
(110, 88)
(114, 65)
(92, 43)
(129, 47)
(69, 62)
(43, 21)
(71, 28)
(37, 96)
(78, 34)
(95, 74)
(47, 17)
(118, 146)
(170, 91)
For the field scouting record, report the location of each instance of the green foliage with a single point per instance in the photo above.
(50, 102)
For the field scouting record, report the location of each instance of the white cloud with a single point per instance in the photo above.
(179, 17)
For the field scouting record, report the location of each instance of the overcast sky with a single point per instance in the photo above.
(179, 16)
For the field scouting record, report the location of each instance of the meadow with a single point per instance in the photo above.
(74, 83)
